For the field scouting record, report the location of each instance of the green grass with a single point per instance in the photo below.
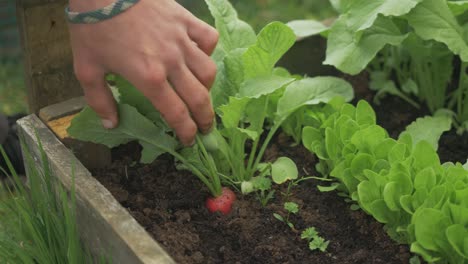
(12, 88)
(38, 223)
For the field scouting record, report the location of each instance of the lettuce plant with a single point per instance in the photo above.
(408, 47)
(401, 183)
(248, 94)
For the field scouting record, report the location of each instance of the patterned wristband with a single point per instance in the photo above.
(101, 14)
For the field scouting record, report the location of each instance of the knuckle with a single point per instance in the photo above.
(85, 74)
(178, 116)
(154, 76)
(187, 134)
(201, 100)
(206, 123)
(179, 36)
(183, 125)
(191, 130)
(213, 36)
(209, 74)
(173, 57)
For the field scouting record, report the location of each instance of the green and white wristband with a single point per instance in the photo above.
(101, 14)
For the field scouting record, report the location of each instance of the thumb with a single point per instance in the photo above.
(99, 96)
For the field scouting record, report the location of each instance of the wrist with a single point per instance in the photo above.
(97, 14)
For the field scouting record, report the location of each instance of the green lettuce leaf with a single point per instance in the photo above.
(458, 7)
(429, 128)
(350, 52)
(306, 28)
(272, 43)
(433, 20)
(233, 33)
(311, 91)
(363, 13)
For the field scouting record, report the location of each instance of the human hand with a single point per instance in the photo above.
(162, 49)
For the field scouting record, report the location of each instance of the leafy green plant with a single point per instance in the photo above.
(401, 183)
(294, 183)
(260, 13)
(248, 94)
(315, 241)
(261, 185)
(310, 234)
(38, 221)
(249, 91)
(407, 46)
(291, 208)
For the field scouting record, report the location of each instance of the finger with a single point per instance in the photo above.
(201, 65)
(204, 35)
(195, 96)
(172, 109)
(98, 95)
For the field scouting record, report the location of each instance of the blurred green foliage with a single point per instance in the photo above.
(12, 88)
(258, 13)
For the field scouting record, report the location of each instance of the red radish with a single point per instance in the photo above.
(222, 203)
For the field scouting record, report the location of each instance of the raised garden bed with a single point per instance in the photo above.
(168, 204)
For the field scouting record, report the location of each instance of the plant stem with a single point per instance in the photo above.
(192, 168)
(270, 135)
(211, 167)
(236, 156)
(250, 169)
(462, 93)
(407, 99)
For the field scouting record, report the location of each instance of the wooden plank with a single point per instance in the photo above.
(47, 53)
(104, 225)
(58, 118)
(62, 109)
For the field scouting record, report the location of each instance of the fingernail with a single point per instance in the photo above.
(191, 143)
(209, 130)
(108, 124)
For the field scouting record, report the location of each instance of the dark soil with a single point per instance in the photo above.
(394, 114)
(169, 204)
